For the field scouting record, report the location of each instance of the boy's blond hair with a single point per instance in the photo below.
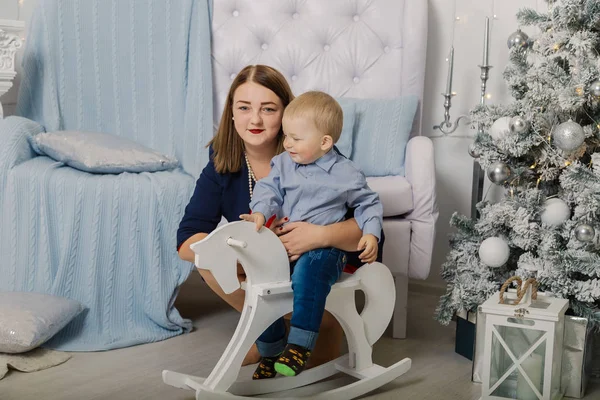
(324, 110)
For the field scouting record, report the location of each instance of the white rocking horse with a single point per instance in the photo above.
(269, 296)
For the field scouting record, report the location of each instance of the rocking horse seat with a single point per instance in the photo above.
(346, 281)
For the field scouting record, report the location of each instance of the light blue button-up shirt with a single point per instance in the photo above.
(319, 193)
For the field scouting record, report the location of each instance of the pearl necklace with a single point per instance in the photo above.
(251, 176)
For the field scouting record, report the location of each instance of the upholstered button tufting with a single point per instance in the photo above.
(235, 13)
(295, 15)
(326, 47)
(386, 49)
(356, 79)
(232, 76)
(264, 46)
(294, 77)
(356, 18)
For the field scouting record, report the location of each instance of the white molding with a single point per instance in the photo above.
(10, 43)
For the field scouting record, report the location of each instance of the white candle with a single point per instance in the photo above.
(486, 42)
(450, 71)
(533, 366)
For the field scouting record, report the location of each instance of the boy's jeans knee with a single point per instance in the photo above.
(314, 273)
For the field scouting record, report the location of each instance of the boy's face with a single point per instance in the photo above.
(303, 141)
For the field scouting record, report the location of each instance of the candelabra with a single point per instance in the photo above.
(448, 127)
(478, 175)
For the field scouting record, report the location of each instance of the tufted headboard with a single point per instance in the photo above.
(347, 48)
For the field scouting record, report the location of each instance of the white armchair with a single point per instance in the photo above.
(372, 51)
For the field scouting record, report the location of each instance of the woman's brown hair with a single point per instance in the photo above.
(227, 145)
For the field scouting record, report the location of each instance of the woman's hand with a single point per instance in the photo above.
(300, 237)
(277, 223)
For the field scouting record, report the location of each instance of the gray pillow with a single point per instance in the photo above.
(29, 319)
(100, 152)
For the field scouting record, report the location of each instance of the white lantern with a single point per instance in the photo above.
(523, 346)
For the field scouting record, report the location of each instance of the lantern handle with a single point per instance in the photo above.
(521, 289)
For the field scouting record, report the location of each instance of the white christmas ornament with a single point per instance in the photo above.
(500, 128)
(494, 252)
(556, 211)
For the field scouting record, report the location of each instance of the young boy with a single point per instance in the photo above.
(311, 182)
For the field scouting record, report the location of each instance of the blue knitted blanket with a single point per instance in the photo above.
(138, 69)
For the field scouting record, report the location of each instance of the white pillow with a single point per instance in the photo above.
(100, 153)
(29, 319)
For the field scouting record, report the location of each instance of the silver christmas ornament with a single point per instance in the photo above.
(473, 151)
(568, 136)
(518, 124)
(498, 172)
(518, 39)
(595, 88)
(584, 232)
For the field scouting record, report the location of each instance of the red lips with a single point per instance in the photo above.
(255, 131)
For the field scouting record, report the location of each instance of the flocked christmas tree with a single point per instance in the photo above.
(544, 148)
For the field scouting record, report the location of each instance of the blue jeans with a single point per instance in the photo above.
(313, 275)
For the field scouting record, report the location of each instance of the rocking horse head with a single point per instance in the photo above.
(261, 254)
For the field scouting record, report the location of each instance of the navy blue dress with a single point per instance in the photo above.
(227, 195)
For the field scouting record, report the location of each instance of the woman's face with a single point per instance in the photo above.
(257, 113)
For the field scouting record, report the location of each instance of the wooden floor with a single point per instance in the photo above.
(135, 373)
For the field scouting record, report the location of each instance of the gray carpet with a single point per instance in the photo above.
(135, 373)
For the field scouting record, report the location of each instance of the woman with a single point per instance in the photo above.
(249, 135)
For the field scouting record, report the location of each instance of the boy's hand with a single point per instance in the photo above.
(369, 244)
(257, 218)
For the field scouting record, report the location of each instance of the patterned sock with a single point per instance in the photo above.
(265, 368)
(293, 360)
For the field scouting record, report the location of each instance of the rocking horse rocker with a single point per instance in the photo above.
(269, 296)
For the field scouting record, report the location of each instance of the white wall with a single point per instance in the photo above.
(451, 22)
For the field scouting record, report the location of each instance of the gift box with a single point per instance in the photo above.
(465, 334)
(577, 356)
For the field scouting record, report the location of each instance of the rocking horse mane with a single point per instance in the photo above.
(263, 258)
